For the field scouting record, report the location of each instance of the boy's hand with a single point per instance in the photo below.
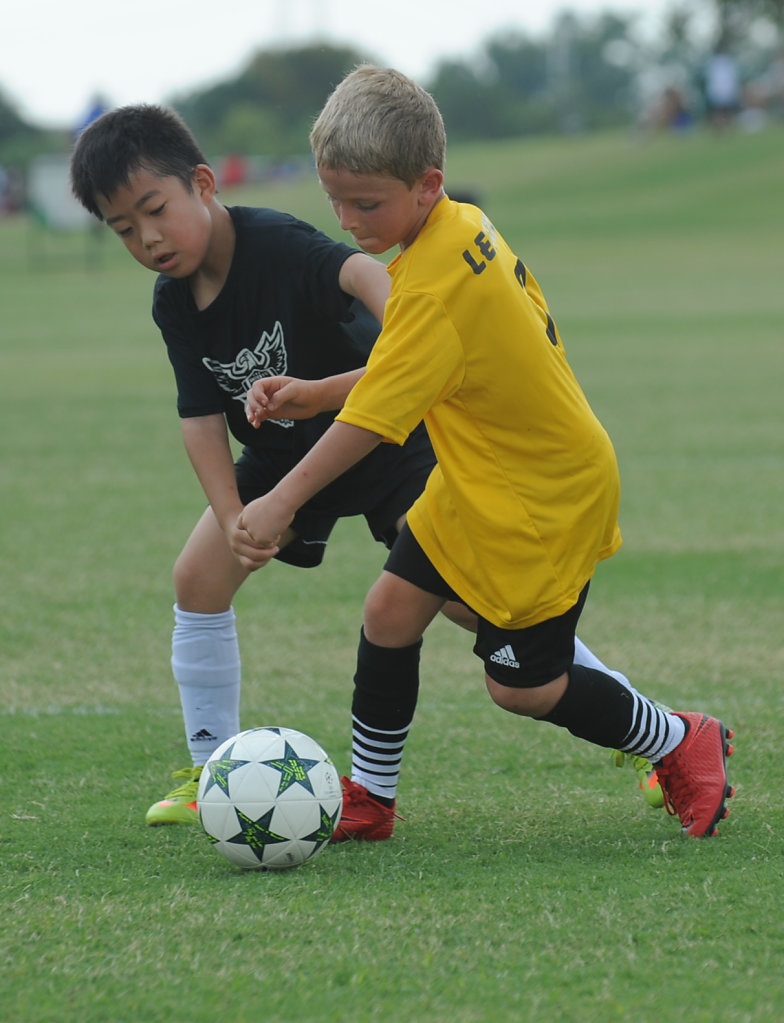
(249, 553)
(266, 519)
(283, 398)
(261, 523)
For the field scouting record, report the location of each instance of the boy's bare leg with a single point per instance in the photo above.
(205, 657)
(206, 573)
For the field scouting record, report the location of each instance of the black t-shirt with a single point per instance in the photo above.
(280, 311)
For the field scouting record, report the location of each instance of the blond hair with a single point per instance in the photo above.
(378, 121)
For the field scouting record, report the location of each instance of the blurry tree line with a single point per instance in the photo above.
(586, 73)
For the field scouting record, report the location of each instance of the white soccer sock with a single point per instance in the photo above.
(206, 665)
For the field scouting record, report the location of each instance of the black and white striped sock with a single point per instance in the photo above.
(386, 685)
(375, 759)
(599, 708)
(654, 732)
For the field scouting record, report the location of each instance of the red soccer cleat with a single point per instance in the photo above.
(693, 777)
(363, 818)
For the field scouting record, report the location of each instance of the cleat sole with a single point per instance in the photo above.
(729, 791)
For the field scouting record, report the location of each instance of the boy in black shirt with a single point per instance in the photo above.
(243, 293)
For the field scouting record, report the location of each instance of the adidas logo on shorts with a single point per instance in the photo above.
(505, 656)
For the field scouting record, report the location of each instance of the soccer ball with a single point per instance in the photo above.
(269, 798)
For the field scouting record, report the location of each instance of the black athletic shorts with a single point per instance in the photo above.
(382, 487)
(519, 658)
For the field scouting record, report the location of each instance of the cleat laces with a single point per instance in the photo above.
(187, 788)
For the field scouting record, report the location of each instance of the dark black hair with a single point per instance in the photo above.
(125, 140)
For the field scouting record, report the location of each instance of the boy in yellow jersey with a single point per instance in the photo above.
(523, 501)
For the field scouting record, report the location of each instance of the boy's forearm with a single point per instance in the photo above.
(264, 521)
(335, 389)
(341, 447)
(207, 444)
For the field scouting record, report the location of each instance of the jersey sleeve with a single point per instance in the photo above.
(308, 263)
(198, 391)
(417, 362)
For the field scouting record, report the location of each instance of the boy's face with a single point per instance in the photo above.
(379, 211)
(164, 226)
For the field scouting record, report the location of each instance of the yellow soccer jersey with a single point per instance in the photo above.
(523, 502)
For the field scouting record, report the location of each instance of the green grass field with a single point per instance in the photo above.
(529, 882)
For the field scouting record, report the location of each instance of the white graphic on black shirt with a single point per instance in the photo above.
(268, 359)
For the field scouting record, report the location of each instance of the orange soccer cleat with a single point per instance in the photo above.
(363, 818)
(693, 777)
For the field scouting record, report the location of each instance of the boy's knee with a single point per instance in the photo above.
(380, 610)
(206, 586)
(397, 612)
(535, 702)
(181, 574)
(188, 584)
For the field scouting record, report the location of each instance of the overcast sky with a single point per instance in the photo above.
(55, 55)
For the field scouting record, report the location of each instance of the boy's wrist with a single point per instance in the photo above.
(282, 503)
(227, 520)
(323, 400)
(334, 390)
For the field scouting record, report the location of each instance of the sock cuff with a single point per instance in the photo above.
(205, 649)
(386, 685)
(393, 655)
(203, 621)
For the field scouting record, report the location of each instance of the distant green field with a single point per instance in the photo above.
(529, 881)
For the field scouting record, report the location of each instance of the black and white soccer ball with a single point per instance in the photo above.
(269, 798)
